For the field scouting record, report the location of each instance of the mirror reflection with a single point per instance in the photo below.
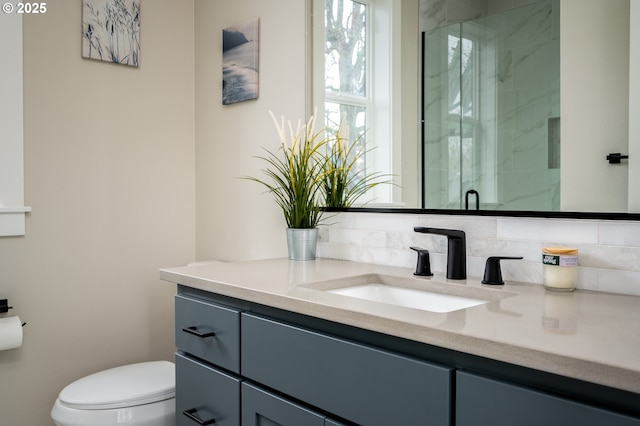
(491, 111)
(466, 105)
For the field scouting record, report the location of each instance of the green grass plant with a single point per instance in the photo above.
(343, 183)
(295, 172)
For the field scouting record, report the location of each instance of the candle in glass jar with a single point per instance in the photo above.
(560, 268)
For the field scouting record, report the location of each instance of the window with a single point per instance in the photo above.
(12, 208)
(346, 66)
(352, 79)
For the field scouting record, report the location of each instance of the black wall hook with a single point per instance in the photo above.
(616, 157)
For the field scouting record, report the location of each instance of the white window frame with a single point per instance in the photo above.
(12, 209)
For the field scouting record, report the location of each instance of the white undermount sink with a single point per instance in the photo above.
(410, 298)
(426, 294)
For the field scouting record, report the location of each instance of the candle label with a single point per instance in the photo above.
(558, 260)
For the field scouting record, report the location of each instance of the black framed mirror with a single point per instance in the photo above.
(608, 101)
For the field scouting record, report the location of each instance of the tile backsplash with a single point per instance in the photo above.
(609, 251)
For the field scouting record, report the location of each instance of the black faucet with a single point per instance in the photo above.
(456, 252)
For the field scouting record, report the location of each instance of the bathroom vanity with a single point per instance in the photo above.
(268, 342)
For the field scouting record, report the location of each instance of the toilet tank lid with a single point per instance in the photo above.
(126, 386)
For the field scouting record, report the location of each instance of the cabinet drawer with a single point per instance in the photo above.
(205, 394)
(485, 401)
(362, 384)
(260, 407)
(209, 332)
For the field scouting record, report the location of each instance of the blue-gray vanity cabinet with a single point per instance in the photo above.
(205, 395)
(208, 331)
(273, 365)
(263, 408)
(487, 401)
(359, 383)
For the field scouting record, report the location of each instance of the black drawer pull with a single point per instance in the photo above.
(194, 330)
(193, 416)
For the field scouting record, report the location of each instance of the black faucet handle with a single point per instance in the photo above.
(423, 267)
(492, 270)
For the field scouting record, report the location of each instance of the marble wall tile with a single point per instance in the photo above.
(610, 257)
(549, 231)
(614, 281)
(619, 233)
(433, 14)
(465, 10)
(497, 6)
(609, 251)
(368, 238)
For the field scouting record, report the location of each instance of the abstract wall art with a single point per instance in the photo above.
(111, 31)
(240, 71)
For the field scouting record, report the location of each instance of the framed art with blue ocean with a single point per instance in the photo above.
(240, 55)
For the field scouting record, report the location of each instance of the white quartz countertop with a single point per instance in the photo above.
(584, 335)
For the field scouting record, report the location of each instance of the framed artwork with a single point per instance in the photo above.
(240, 54)
(111, 31)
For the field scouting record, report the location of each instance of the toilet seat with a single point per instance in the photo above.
(121, 387)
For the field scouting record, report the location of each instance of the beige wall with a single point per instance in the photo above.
(109, 173)
(235, 220)
(595, 122)
(634, 105)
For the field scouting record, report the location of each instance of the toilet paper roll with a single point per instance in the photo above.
(10, 333)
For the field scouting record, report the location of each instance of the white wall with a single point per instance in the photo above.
(235, 219)
(109, 174)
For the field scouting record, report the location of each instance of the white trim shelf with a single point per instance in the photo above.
(12, 221)
(15, 209)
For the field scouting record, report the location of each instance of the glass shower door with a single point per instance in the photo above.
(455, 116)
(491, 106)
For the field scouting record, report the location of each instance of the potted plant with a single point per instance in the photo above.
(343, 183)
(294, 175)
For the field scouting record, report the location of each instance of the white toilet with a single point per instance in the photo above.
(134, 395)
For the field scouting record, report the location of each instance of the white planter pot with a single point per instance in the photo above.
(302, 243)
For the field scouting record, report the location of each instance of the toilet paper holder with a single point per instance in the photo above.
(4, 308)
